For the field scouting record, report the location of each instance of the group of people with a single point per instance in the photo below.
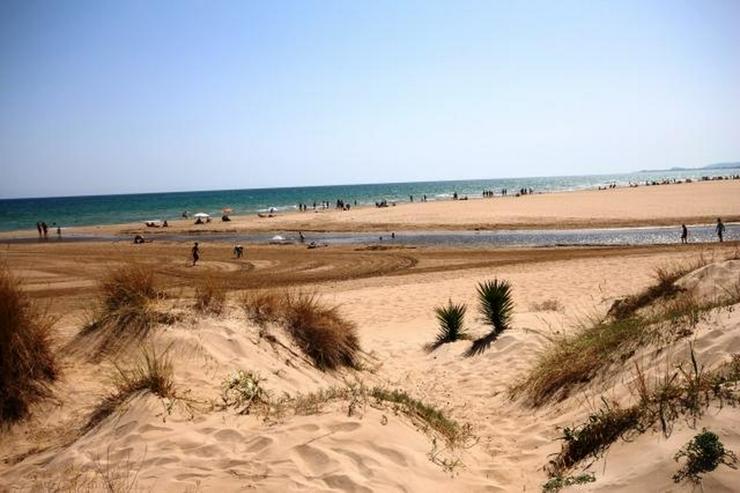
(43, 229)
(719, 229)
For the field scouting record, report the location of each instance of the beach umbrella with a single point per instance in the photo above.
(201, 215)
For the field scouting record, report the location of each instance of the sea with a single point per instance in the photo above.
(22, 214)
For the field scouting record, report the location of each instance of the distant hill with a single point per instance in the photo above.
(708, 167)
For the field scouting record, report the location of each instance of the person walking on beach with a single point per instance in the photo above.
(684, 234)
(46, 229)
(720, 229)
(38, 228)
(196, 253)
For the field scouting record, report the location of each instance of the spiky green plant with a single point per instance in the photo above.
(451, 319)
(496, 308)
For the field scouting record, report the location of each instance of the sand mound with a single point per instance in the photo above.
(713, 281)
(193, 443)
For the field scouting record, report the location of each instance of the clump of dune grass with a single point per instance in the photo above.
(451, 318)
(593, 437)
(126, 311)
(687, 391)
(263, 307)
(27, 363)
(575, 359)
(601, 342)
(152, 372)
(663, 288)
(321, 332)
(496, 307)
(210, 297)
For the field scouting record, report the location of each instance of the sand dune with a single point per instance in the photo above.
(192, 444)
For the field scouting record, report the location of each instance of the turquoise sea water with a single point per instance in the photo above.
(19, 214)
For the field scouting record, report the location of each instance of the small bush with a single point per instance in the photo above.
(27, 363)
(320, 331)
(242, 390)
(703, 454)
(210, 297)
(496, 308)
(451, 319)
(263, 307)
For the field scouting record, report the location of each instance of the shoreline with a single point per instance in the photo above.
(653, 206)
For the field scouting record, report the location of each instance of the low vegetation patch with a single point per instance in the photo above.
(451, 318)
(152, 372)
(27, 363)
(210, 297)
(576, 359)
(557, 483)
(496, 307)
(686, 392)
(242, 390)
(703, 454)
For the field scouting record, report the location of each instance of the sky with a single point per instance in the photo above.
(103, 96)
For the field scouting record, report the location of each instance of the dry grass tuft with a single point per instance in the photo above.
(210, 297)
(263, 307)
(328, 339)
(27, 364)
(152, 372)
(321, 332)
(664, 288)
(126, 310)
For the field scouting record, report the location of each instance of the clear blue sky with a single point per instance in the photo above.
(123, 96)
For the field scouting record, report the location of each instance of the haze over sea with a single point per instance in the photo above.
(16, 214)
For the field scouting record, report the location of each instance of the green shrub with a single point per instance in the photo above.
(703, 454)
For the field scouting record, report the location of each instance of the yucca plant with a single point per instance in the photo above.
(451, 319)
(496, 308)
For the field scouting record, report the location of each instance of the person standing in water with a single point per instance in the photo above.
(720, 229)
(684, 234)
(196, 253)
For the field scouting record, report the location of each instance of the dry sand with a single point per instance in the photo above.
(689, 203)
(189, 445)
(193, 444)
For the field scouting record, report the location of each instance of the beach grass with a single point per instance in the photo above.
(27, 362)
